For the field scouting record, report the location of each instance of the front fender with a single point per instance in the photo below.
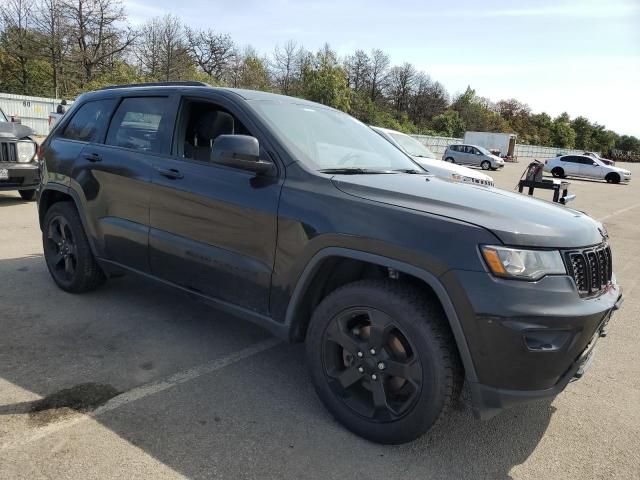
(305, 279)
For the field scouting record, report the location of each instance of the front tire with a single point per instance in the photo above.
(612, 178)
(67, 251)
(383, 360)
(486, 165)
(27, 195)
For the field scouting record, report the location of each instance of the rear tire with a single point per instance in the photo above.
(558, 172)
(450, 160)
(27, 195)
(67, 251)
(612, 178)
(408, 381)
(486, 165)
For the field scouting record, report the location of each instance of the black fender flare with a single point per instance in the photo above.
(77, 202)
(305, 279)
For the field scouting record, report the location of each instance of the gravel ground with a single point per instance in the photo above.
(199, 394)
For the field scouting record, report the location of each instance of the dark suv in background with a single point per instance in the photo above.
(302, 219)
(18, 160)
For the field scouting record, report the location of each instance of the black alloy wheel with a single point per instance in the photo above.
(62, 249)
(383, 360)
(371, 365)
(67, 251)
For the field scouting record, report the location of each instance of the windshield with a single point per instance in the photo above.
(324, 139)
(483, 150)
(412, 146)
(2, 117)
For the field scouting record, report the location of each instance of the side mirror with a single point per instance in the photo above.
(239, 151)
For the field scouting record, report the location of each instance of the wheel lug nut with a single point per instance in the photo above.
(360, 354)
(381, 366)
(373, 351)
(374, 376)
(361, 370)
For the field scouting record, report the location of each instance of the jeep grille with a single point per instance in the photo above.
(8, 152)
(590, 268)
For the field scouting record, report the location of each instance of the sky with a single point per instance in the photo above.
(582, 57)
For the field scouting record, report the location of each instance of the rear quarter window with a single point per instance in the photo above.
(138, 124)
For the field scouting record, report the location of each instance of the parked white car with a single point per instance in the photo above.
(586, 167)
(426, 159)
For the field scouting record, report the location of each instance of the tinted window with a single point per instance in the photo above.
(138, 124)
(569, 159)
(585, 160)
(90, 121)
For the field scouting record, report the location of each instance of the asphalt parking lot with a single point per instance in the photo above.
(199, 394)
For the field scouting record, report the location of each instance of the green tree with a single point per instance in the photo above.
(543, 126)
(476, 114)
(584, 132)
(326, 82)
(449, 123)
(562, 135)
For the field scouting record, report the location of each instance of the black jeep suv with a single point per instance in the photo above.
(18, 161)
(304, 220)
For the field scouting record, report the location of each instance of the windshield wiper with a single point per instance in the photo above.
(412, 171)
(355, 171)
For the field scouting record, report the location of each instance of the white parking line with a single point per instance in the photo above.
(144, 391)
(617, 212)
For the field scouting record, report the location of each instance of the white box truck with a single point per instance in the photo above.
(501, 144)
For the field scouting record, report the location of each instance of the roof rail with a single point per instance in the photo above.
(158, 84)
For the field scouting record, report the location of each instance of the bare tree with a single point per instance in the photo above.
(52, 26)
(358, 67)
(148, 49)
(17, 39)
(213, 52)
(430, 99)
(96, 33)
(285, 66)
(378, 72)
(400, 86)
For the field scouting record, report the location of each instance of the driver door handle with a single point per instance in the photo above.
(92, 157)
(170, 173)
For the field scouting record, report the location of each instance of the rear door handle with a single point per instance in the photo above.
(170, 173)
(93, 157)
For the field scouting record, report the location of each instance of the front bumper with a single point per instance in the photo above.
(22, 176)
(527, 340)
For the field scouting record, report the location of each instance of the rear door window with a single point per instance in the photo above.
(90, 121)
(141, 123)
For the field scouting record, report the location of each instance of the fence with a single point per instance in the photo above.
(439, 144)
(32, 111)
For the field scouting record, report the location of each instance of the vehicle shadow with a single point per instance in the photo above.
(583, 180)
(9, 199)
(258, 417)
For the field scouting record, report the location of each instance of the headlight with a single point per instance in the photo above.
(524, 264)
(26, 150)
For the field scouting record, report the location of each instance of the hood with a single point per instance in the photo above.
(445, 169)
(15, 130)
(514, 218)
(618, 169)
(495, 157)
